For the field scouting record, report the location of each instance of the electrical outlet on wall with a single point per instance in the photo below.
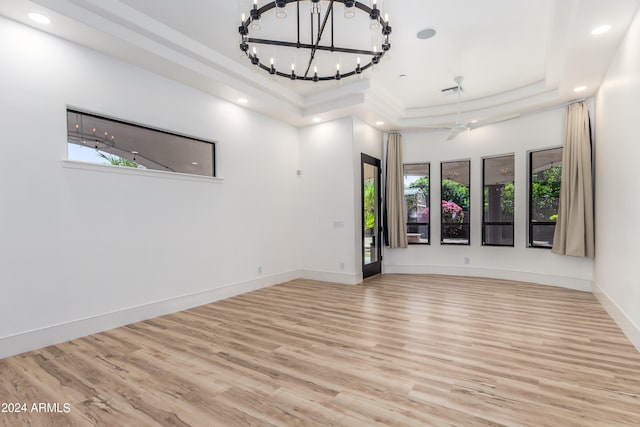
(260, 269)
(341, 265)
(467, 260)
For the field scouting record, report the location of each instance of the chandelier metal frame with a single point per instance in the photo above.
(318, 25)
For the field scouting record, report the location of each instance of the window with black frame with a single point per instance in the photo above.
(498, 201)
(455, 211)
(545, 168)
(417, 194)
(102, 140)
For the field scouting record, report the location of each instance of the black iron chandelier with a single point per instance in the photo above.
(318, 24)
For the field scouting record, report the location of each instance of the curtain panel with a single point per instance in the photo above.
(574, 234)
(396, 225)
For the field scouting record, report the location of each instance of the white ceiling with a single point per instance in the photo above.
(516, 55)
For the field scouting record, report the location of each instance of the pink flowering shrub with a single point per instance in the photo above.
(424, 215)
(451, 212)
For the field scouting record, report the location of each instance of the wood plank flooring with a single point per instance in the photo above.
(400, 350)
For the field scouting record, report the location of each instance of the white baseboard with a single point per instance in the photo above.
(50, 335)
(520, 276)
(630, 329)
(328, 276)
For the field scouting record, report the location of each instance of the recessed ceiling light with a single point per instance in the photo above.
(600, 30)
(316, 119)
(427, 33)
(580, 89)
(40, 19)
(379, 123)
(474, 121)
(402, 76)
(134, 152)
(194, 163)
(243, 100)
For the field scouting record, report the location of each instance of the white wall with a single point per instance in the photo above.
(530, 132)
(84, 250)
(326, 201)
(617, 272)
(367, 140)
(330, 197)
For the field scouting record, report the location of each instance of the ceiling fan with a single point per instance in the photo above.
(461, 126)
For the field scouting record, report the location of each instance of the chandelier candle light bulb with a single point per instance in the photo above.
(255, 61)
(375, 16)
(281, 13)
(255, 17)
(349, 9)
(376, 60)
(315, 7)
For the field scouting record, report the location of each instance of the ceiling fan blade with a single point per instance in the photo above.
(454, 132)
(493, 121)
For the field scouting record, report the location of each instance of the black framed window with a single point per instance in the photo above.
(102, 140)
(545, 174)
(417, 196)
(498, 200)
(455, 213)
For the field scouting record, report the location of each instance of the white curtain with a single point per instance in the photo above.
(396, 226)
(574, 234)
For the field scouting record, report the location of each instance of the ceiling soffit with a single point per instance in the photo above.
(154, 42)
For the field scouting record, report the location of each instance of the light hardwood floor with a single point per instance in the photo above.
(398, 351)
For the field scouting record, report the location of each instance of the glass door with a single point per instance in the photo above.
(371, 244)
